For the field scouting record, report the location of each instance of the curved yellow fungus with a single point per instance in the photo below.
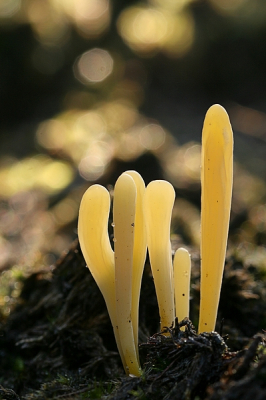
(182, 270)
(99, 256)
(158, 205)
(95, 246)
(94, 240)
(216, 194)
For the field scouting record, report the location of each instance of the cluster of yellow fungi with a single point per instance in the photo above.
(141, 220)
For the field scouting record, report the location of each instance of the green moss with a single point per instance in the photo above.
(138, 394)
(99, 390)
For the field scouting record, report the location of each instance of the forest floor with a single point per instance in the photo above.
(57, 341)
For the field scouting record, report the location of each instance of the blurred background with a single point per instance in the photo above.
(90, 88)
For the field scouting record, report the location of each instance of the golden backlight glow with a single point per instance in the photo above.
(9, 8)
(182, 164)
(150, 29)
(147, 28)
(92, 138)
(92, 17)
(50, 19)
(36, 172)
(152, 136)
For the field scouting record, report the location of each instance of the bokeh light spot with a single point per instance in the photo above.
(65, 211)
(91, 168)
(92, 16)
(91, 9)
(9, 7)
(142, 28)
(192, 159)
(150, 29)
(94, 66)
(90, 124)
(47, 22)
(56, 176)
(35, 172)
(149, 26)
(152, 136)
(51, 134)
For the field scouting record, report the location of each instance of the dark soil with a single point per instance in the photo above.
(58, 342)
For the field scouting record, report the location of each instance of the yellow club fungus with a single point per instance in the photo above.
(216, 182)
(158, 204)
(95, 246)
(143, 216)
(139, 252)
(125, 193)
(182, 270)
(112, 275)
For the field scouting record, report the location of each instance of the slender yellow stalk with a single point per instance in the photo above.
(216, 181)
(139, 253)
(124, 210)
(158, 204)
(182, 270)
(96, 248)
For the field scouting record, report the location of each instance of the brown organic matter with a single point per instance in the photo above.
(58, 342)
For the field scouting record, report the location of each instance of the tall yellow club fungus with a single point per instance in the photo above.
(158, 205)
(95, 246)
(116, 278)
(182, 270)
(124, 209)
(216, 183)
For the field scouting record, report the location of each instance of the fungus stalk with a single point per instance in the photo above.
(95, 246)
(125, 193)
(182, 270)
(139, 253)
(118, 274)
(158, 204)
(216, 182)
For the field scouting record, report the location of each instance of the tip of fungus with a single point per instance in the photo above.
(217, 113)
(217, 108)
